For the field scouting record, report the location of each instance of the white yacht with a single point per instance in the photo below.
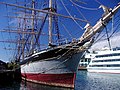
(85, 60)
(107, 61)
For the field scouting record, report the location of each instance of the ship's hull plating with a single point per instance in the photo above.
(53, 71)
(63, 80)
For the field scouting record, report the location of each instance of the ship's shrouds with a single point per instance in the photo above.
(57, 63)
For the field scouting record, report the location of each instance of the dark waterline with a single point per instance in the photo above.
(84, 81)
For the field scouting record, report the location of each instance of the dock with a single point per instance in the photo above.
(9, 76)
(82, 68)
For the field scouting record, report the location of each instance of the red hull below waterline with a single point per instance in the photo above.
(62, 80)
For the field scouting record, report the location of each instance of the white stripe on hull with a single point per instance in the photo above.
(104, 70)
(53, 66)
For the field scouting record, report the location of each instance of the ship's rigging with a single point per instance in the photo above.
(110, 37)
(55, 64)
(34, 19)
(28, 35)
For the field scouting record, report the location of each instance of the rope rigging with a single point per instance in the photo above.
(80, 12)
(65, 28)
(70, 15)
(115, 28)
(108, 38)
(76, 6)
(84, 7)
(98, 2)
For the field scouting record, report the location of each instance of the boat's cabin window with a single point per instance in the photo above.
(110, 60)
(112, 65)
(108, 55)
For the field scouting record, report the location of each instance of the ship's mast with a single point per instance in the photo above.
(50, 22)
(33, 13)
(23, 37)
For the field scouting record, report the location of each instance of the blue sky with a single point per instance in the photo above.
(89, 9)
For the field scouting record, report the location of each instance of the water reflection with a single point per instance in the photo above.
(84, 81)
(23, 85)
(97, 81)
(32, 86)
(103, 81)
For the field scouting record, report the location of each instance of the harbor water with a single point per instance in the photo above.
(84, 81)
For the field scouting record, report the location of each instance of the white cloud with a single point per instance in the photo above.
(114, 42)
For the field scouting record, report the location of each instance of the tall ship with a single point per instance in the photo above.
(107, 61)
(57, 63)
